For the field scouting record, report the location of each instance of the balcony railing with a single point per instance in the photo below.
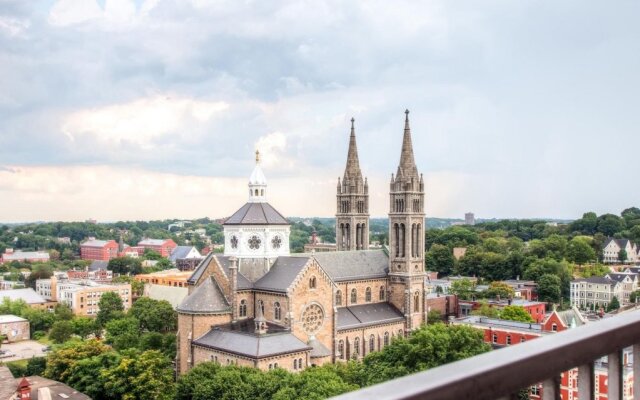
(502, 373)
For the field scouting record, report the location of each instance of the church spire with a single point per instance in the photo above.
(352, 170)
(407, 168)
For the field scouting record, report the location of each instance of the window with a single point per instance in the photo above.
(341, 349)
(400, 333)
(295, 364)
(300, 363)
(416, 302)
(554, 328)
(312, 282)
(367, 295)
(522, 339)
(276, 311)
(261, 305)
(495, 338)
(275, 365)
(386, 338)
(372, 343)
(356, 346)
(339, 297)
(243, 308)
(354, 296)
(508, 339)
(381, 294)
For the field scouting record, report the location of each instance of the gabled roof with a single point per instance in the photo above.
(366, 315)
(619, 277)
(181, 252)
(349, 265)
(571, 317)
(256, 214)
(318, 349)
(205, 299)
(243, 282)
(250, 345)
(282, 274)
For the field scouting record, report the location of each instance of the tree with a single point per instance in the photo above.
(549, 288)
(110, 307)
(634, 296)
(463, 288)
(39, 320)
(486, 310)
(622, 256)
(125, 265)
(154, 315)
(84, 326)
(137, 287)
(434, 316)
(500, 289)
(63, 312)
(63, 359)
(439, 258)
(140, 376)
(36, 366)
(516, 313)
(609, 224)
(123, 333)
(163, 264)
(579, 250)
(61, 331)
(614, 304)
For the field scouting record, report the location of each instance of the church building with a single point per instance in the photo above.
(258, 305)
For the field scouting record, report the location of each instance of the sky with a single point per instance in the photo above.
(152, 109)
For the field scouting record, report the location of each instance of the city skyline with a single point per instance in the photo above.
(117, 110)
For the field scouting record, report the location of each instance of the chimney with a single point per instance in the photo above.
(233, 271)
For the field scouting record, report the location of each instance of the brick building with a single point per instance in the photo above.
(164, 247)
(535, 308)
(14, 328)
(103, 250)
(257, 305)
(28, 256)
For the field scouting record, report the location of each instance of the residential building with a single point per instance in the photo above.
(164, 247)
(523, 289)
(612, 248)
(14, 328)
(595, 292)
(24, 256)
(83, 299)
(257, 305)
(184, 253)
(103, 250)
(629, 281)
(29, 296)
(169, 277)
(535, 308)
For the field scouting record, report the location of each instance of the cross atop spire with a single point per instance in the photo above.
(407, 168)
(257, 156)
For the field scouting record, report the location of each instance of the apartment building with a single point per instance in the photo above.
(629, 281)
(103, 250)
(612, 248)
(162, 246)
(83, 298)
(595, 292)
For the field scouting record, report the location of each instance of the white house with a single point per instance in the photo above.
(612, 248)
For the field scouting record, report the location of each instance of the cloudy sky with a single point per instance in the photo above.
(122, 109)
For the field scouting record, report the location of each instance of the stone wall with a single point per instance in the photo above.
(361, 288)
(191, 327)
(348, 338)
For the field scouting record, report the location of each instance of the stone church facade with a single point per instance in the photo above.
(258, 305)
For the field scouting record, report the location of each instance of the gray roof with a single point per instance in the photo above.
(180, 252)
(318, 349)
(96, 243)
(367, 315)
(28, 295)
(619, 276)
(571, 315)
(251, 345)
(243, 282)
(350, 265)
(205, 299)
(256, 214)
(282, 274)
(197, 273)
(174, 295)
(597, 280)
(98, 265)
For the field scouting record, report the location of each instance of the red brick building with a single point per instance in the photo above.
(535, 308)
(164, 247)
(103, 250)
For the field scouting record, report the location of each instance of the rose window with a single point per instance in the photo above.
(276, 242)
(254, 242)
(312, 318)
(234, 242)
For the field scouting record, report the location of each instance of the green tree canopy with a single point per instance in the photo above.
(516, 313)
(154, 315)
(110, 307)
(499, 289)
(579, 250)
(439, 258)
(549, 288)
(463, 288)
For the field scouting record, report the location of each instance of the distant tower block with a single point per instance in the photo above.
(469, 219)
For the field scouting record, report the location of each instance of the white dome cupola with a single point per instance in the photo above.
(257, 183)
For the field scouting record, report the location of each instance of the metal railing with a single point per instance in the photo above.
(502, 373)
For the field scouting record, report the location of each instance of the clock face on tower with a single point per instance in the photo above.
(254, 242)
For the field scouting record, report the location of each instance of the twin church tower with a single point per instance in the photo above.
(406, 207)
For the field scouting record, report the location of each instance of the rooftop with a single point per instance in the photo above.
(256, 214)
(28, 295)
(8, 318)
(366, 315)
(152, 242)
(96, 243)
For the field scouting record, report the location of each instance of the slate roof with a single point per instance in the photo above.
(318, 349)
(98, 265)
(349, 265)
(256, 214)
(197, 273)
(571, 315)
(619, 276)
(251, 345)
(180, 252)
(596, 279)
(243, 282)
(366, 315)
(205, 299)
(28, 295)
(282, 274)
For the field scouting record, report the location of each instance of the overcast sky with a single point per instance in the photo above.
(121, 109)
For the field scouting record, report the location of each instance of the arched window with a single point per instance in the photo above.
(367, 295)
(356, 346)
(300, 363)
(386, 338)
(312, 282)
(243, 308)
(381, 294)
(372, 343)
(339, 297)
(416, 302)
(354, 296)
(261, 192)
(396, 231)
(277, 313)
(256, 192)
(295, 363)
(341, 349)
